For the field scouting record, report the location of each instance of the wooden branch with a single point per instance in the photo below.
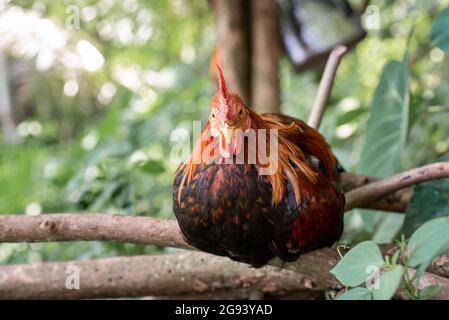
(152, 231)
(393, 202)
(186, 274)
(43, 280)
(142, 230)
(325, 88)
(370, 192)
(161, 232)
(440, 266)
(101, 227)
(161, 275)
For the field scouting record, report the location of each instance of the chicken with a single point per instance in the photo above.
(232, 199)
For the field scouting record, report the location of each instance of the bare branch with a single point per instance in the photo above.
(151, 231)
(370, 192)
(186, 274)
(440, 266)
(143, 230)
(393, 202)
(325, 88)
(28, 281)
(161, 232)
(70, 227)
(161, 275)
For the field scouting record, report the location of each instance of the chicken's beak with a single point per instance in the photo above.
(228, 132)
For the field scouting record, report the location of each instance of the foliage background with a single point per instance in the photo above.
(94, 135)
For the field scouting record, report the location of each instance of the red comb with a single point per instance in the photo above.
(222, 84)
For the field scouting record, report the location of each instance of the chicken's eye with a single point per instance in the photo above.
(240, 112)
(213, 115)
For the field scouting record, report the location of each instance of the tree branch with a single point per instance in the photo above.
(142, 230)
(161, 232)
(71, 227)
(325, 88)
(153, 231)
(193, 273)
(161, 275)
(393, 202)
(121, 276)
(440, 266)
(370, 192)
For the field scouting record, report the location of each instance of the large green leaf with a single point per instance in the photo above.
(354, 268)
(430, 200)
(440, 30)
(387, 127)
(388, 283)
(356, 294)
(428, 241)
(386, 133)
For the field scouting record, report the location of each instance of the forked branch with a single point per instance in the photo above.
(373, 191)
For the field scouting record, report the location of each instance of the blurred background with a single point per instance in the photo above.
(91, 91)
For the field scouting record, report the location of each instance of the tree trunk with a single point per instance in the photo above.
(8, 125)
(265, 56)
(233, 20)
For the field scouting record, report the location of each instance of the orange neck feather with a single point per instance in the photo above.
(291, 163)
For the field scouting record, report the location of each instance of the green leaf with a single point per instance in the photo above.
(388, 283)
(428, 241)
(354, 268)
(386, 132)
(387, 127)
(356, 294)
(440, 30)
(350, 116)
(430, 200)
(394, 258)
(152, 167)
(428, 292)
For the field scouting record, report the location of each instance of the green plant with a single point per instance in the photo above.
(383, 276)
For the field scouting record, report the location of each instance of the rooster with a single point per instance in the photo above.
(226, 206)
